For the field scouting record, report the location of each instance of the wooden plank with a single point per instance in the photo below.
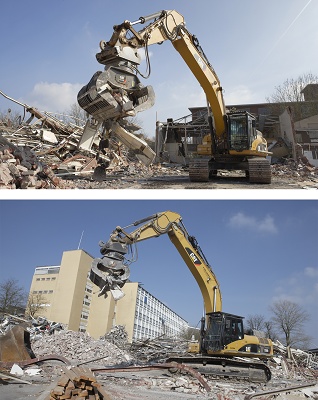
(83, 393)
(63, 381)
(69, 373)
(58, 390)
(70, 385)
(101, 391)
(67, 394)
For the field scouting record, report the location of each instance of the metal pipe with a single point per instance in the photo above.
(147, 18)
(214, 299)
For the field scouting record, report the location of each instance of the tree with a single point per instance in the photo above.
(289, 318)
(77, 115)
(269, 330)
(12, 296)
(36, 303)
(290, 92)
(255, 322)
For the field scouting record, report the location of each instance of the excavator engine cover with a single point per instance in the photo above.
(15, 345)
(115, 93)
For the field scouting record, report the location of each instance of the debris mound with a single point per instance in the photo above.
(80, 348)
(117, 335)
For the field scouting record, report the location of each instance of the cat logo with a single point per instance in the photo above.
(193, 257)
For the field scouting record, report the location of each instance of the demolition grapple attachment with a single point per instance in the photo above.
(110, 272)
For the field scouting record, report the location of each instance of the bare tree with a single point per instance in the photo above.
(255, 322)
(289, 319)
(269, 330)
(77, 115)
(289, 93)
(12, 296)
(36, 303)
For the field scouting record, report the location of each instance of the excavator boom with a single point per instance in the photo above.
(116, 272)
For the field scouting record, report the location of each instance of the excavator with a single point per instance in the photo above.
(224, 349)
(116, 93)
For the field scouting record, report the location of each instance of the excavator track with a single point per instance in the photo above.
(259, 170)
(253, 371)
(199, 170)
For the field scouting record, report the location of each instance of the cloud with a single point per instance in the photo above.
(265, 225)
(301, 287)
(311, 272)
(53, 97)
(238, 95)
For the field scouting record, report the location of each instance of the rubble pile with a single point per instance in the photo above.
(293, 363)
(79, 347)
(20, 169)
(300, 169)
(117, 335)
(157, 349)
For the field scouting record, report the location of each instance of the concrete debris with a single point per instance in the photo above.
(296, 169)
(80, 347)
(21, 169)
(35, 326)
(16, 370)
(294, 363)
(117, 335)
(158, 349)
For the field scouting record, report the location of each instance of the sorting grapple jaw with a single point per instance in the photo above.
(109, 272)
(115, 93)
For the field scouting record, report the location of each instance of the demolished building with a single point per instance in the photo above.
(177, 139)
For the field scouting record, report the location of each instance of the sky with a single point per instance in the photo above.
(261, 251)
(48, 50)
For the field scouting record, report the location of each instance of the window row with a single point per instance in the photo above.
(46, 279)
(42, 291)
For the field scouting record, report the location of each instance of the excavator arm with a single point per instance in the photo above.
(121, 58)
(111, 271)
(170, 25)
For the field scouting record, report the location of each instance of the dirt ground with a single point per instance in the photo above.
(230, 180)
(141, 386)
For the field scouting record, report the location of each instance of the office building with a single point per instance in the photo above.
(69, 297)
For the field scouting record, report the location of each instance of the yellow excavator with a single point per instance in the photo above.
(223, 342)
(234, 143)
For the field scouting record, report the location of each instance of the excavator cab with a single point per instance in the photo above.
(241, 130)
(222, 329)
(224, 335)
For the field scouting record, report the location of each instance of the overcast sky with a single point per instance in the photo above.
(260, 250)
(48, 50)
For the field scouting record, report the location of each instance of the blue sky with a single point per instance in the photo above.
(48, 50)
(260, 250)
